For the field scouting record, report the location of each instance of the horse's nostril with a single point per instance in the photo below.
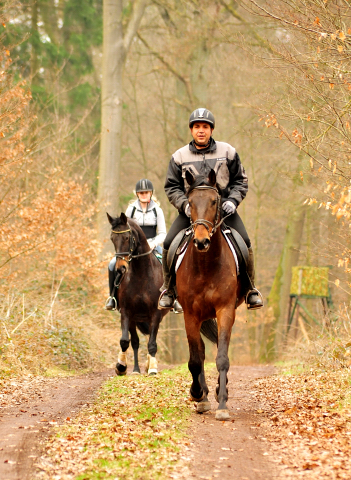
(207, 242)
(196, 243)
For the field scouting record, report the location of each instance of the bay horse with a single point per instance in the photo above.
(208, 288)
(139, 277)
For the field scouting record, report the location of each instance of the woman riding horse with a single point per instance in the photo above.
(149, 216)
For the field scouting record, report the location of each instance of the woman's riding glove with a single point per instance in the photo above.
(151, 244)
(229, 207)
(187, 210)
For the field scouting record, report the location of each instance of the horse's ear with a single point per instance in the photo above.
(189, 177)
(212, 177)
(124, 218)
(110, 219)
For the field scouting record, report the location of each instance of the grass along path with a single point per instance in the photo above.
(135, 429)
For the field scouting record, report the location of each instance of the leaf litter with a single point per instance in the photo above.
(308, 422)
(135, 429)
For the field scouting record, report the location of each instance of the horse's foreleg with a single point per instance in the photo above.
(225, 324)
(152, 345)
(121, 366)
(135, 345)
(196, 360)
(204, 405)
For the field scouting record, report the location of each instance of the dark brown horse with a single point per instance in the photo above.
(208, 288)
(139, 275)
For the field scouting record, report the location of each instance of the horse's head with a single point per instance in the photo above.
(124, 240)
(204, 201)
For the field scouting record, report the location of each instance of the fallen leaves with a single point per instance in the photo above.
(309, 423)
(136, 427)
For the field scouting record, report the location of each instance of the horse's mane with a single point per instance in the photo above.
(202, 180)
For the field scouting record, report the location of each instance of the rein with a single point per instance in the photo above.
(206, 223)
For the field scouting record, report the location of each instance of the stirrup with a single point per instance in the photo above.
(159, 299)
(115, 307)
(254, 307)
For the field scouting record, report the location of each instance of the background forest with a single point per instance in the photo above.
(276, 77)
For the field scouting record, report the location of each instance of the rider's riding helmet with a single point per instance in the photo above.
(202, 115)
(144, 185)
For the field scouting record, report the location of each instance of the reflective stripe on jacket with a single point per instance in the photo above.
(219, 156)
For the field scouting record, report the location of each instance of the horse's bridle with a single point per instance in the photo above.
(206, 223)
(132, 247)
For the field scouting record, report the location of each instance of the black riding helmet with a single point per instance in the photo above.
(202, 115)
(144, 185)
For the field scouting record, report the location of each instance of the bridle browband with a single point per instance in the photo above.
(206, 223)
(132, 247)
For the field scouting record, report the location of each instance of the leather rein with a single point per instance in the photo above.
(132, 247)
(206, 223)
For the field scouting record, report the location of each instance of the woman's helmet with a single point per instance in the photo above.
(144, 185)
(202, 115)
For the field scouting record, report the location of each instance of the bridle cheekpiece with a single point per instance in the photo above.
(132, 247)
(207, 223)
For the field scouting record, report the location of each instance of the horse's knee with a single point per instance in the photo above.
(222, 362)
(124, 344)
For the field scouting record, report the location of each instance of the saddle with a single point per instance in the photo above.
(182, 239)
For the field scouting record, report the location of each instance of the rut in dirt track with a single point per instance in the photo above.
(36, 404)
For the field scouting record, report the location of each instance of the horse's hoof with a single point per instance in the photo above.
(152, 372)
(120, 369)
(135, 373)
(222, 414)
(203, 407)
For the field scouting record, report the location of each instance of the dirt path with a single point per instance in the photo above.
(35, 405)
(225, 450)
(234, 449)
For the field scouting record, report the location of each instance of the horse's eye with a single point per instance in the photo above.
(214, 202)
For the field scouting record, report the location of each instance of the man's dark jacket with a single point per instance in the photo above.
(219, 156)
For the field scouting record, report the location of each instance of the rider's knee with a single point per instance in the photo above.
(112, 264)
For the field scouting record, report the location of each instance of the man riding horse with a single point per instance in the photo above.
(202, 154)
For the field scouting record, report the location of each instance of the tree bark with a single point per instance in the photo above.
(278, 298)
(116, 44)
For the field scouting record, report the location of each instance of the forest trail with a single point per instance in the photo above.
(235, 449)
(29, 407)
(225, 450)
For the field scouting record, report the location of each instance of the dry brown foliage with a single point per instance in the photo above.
(309, 422)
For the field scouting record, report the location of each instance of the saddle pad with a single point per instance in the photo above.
(181, 256)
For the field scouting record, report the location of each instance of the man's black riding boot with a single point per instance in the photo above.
(253, 298)
(111, 303)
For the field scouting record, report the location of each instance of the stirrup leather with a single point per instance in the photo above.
(254, 290)
(111, 298)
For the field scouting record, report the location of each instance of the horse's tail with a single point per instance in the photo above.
(209, 329)
(143, 327)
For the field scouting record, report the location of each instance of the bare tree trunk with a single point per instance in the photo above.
(116, 45)
(278, 298)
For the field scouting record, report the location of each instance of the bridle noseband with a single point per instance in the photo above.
(206, 223)
(132, 247)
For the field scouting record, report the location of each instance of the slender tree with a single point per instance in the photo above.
(117, 40)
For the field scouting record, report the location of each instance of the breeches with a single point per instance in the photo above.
(182, 221)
